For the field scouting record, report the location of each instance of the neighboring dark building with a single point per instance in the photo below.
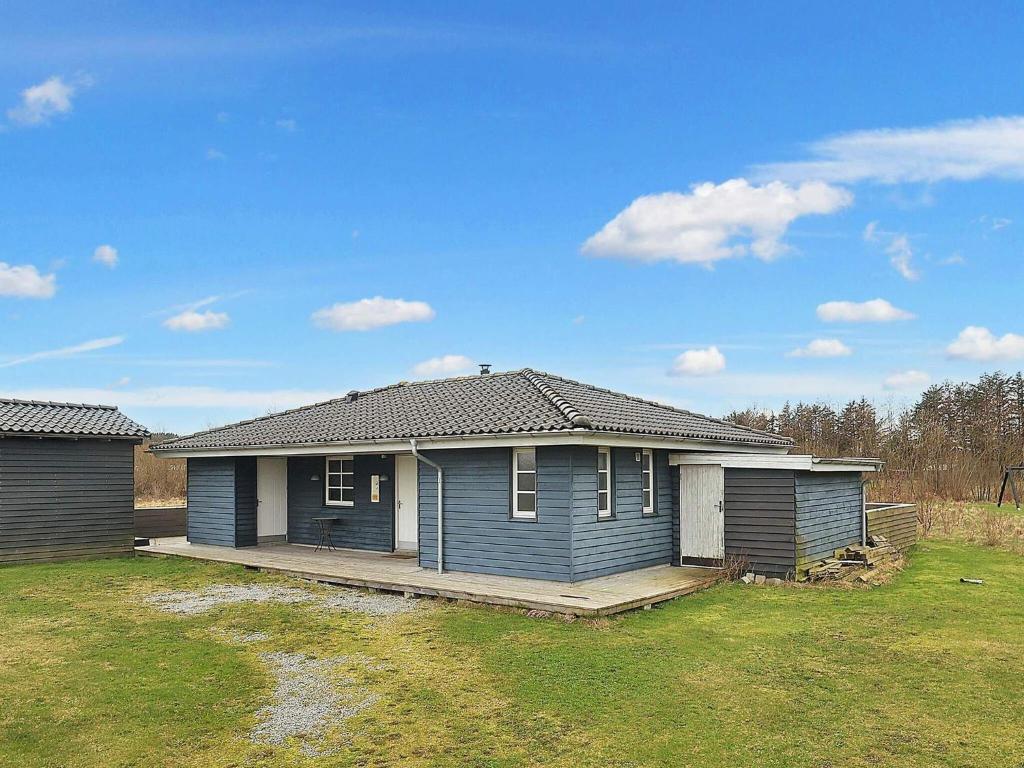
(542, 477)
(67, 476)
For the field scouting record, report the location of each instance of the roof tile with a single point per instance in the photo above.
(493, 404)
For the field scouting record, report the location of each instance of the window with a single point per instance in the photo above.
(604, 482)
(341, 483)
(524, 483)
(647, 480)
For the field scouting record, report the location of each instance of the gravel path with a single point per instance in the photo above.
(187, 603)
(307, 700)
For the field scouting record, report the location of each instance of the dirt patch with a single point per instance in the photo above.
(308, 700)
(190, 603)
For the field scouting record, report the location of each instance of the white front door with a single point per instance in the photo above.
(701, 513)
(271, 497)
(407, 520)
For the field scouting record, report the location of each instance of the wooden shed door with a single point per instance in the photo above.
(701, 514)
(272, 497)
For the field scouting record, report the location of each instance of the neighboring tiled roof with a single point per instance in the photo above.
(35, 417)
(491, 404)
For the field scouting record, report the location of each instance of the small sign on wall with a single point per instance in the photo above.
(375, 489)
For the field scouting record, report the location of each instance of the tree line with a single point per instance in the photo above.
(953, 443)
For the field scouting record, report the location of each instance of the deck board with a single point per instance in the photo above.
(601, 596)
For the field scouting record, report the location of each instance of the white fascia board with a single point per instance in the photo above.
(800, 462)
(573, 437)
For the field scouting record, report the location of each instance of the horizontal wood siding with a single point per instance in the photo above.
(897, 523)
(63, 499)
(829, 509)
(628, 540)
(245, 501)
(760, 520)
(365, 525)
(211, 501)
(479, 534)
(160, 522)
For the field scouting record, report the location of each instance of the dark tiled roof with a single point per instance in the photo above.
(492, 404)
(36, 417)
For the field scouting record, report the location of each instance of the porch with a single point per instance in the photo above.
(397, 572)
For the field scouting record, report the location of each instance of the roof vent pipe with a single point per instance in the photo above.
(485, 368)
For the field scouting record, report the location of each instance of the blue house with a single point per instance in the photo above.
(520, 474)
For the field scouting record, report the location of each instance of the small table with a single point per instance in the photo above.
(326, 525)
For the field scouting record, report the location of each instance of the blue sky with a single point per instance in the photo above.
(209, 213)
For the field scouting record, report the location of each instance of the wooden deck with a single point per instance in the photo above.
(401, 573)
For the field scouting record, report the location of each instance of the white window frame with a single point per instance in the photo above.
(341, 475)
(609, 511)
(518, 514)
(647, 481)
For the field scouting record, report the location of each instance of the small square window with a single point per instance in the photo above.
(647, 481)
(340, 481)
(604, 482)
(524, 483)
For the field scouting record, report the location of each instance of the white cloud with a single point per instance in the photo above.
(713, 222)
(874, 311)
(446, 365)
(579, 319)
(25, 282)
(54, 354)
(288, 125)
(901, 255)
(999, 223)
(366, 314)
(192, 321)
(822, 348)
(106, 254)
(953, 260)
(215, 154)
(871, 232)
(976, 343)
(961, 150)
(52, 97)
(699, 362)
(904, 380)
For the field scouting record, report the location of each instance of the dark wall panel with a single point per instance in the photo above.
(61, 499)
(245, 501)
(479, 534)
(211, 501)
(760, 519)
(365, 525)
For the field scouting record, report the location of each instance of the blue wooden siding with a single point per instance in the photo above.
(759, 520)
(628, 540)
(828, 513)
(364, 525)
(211, 501)
(479, 534)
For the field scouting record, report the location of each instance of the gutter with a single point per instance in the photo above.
(440, 503)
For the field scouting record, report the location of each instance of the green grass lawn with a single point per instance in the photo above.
(925, 671)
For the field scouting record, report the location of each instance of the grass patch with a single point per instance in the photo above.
(924, 671)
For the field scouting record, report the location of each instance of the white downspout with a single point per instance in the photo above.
(440, 504)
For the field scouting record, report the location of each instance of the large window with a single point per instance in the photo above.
(524, 483)
(647, 480)
(341, 484)
(604, 482)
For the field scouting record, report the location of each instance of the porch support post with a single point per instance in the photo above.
(440, 504)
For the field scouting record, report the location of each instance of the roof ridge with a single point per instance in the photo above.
(56, 403)
(571, 413)
(665, 405)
